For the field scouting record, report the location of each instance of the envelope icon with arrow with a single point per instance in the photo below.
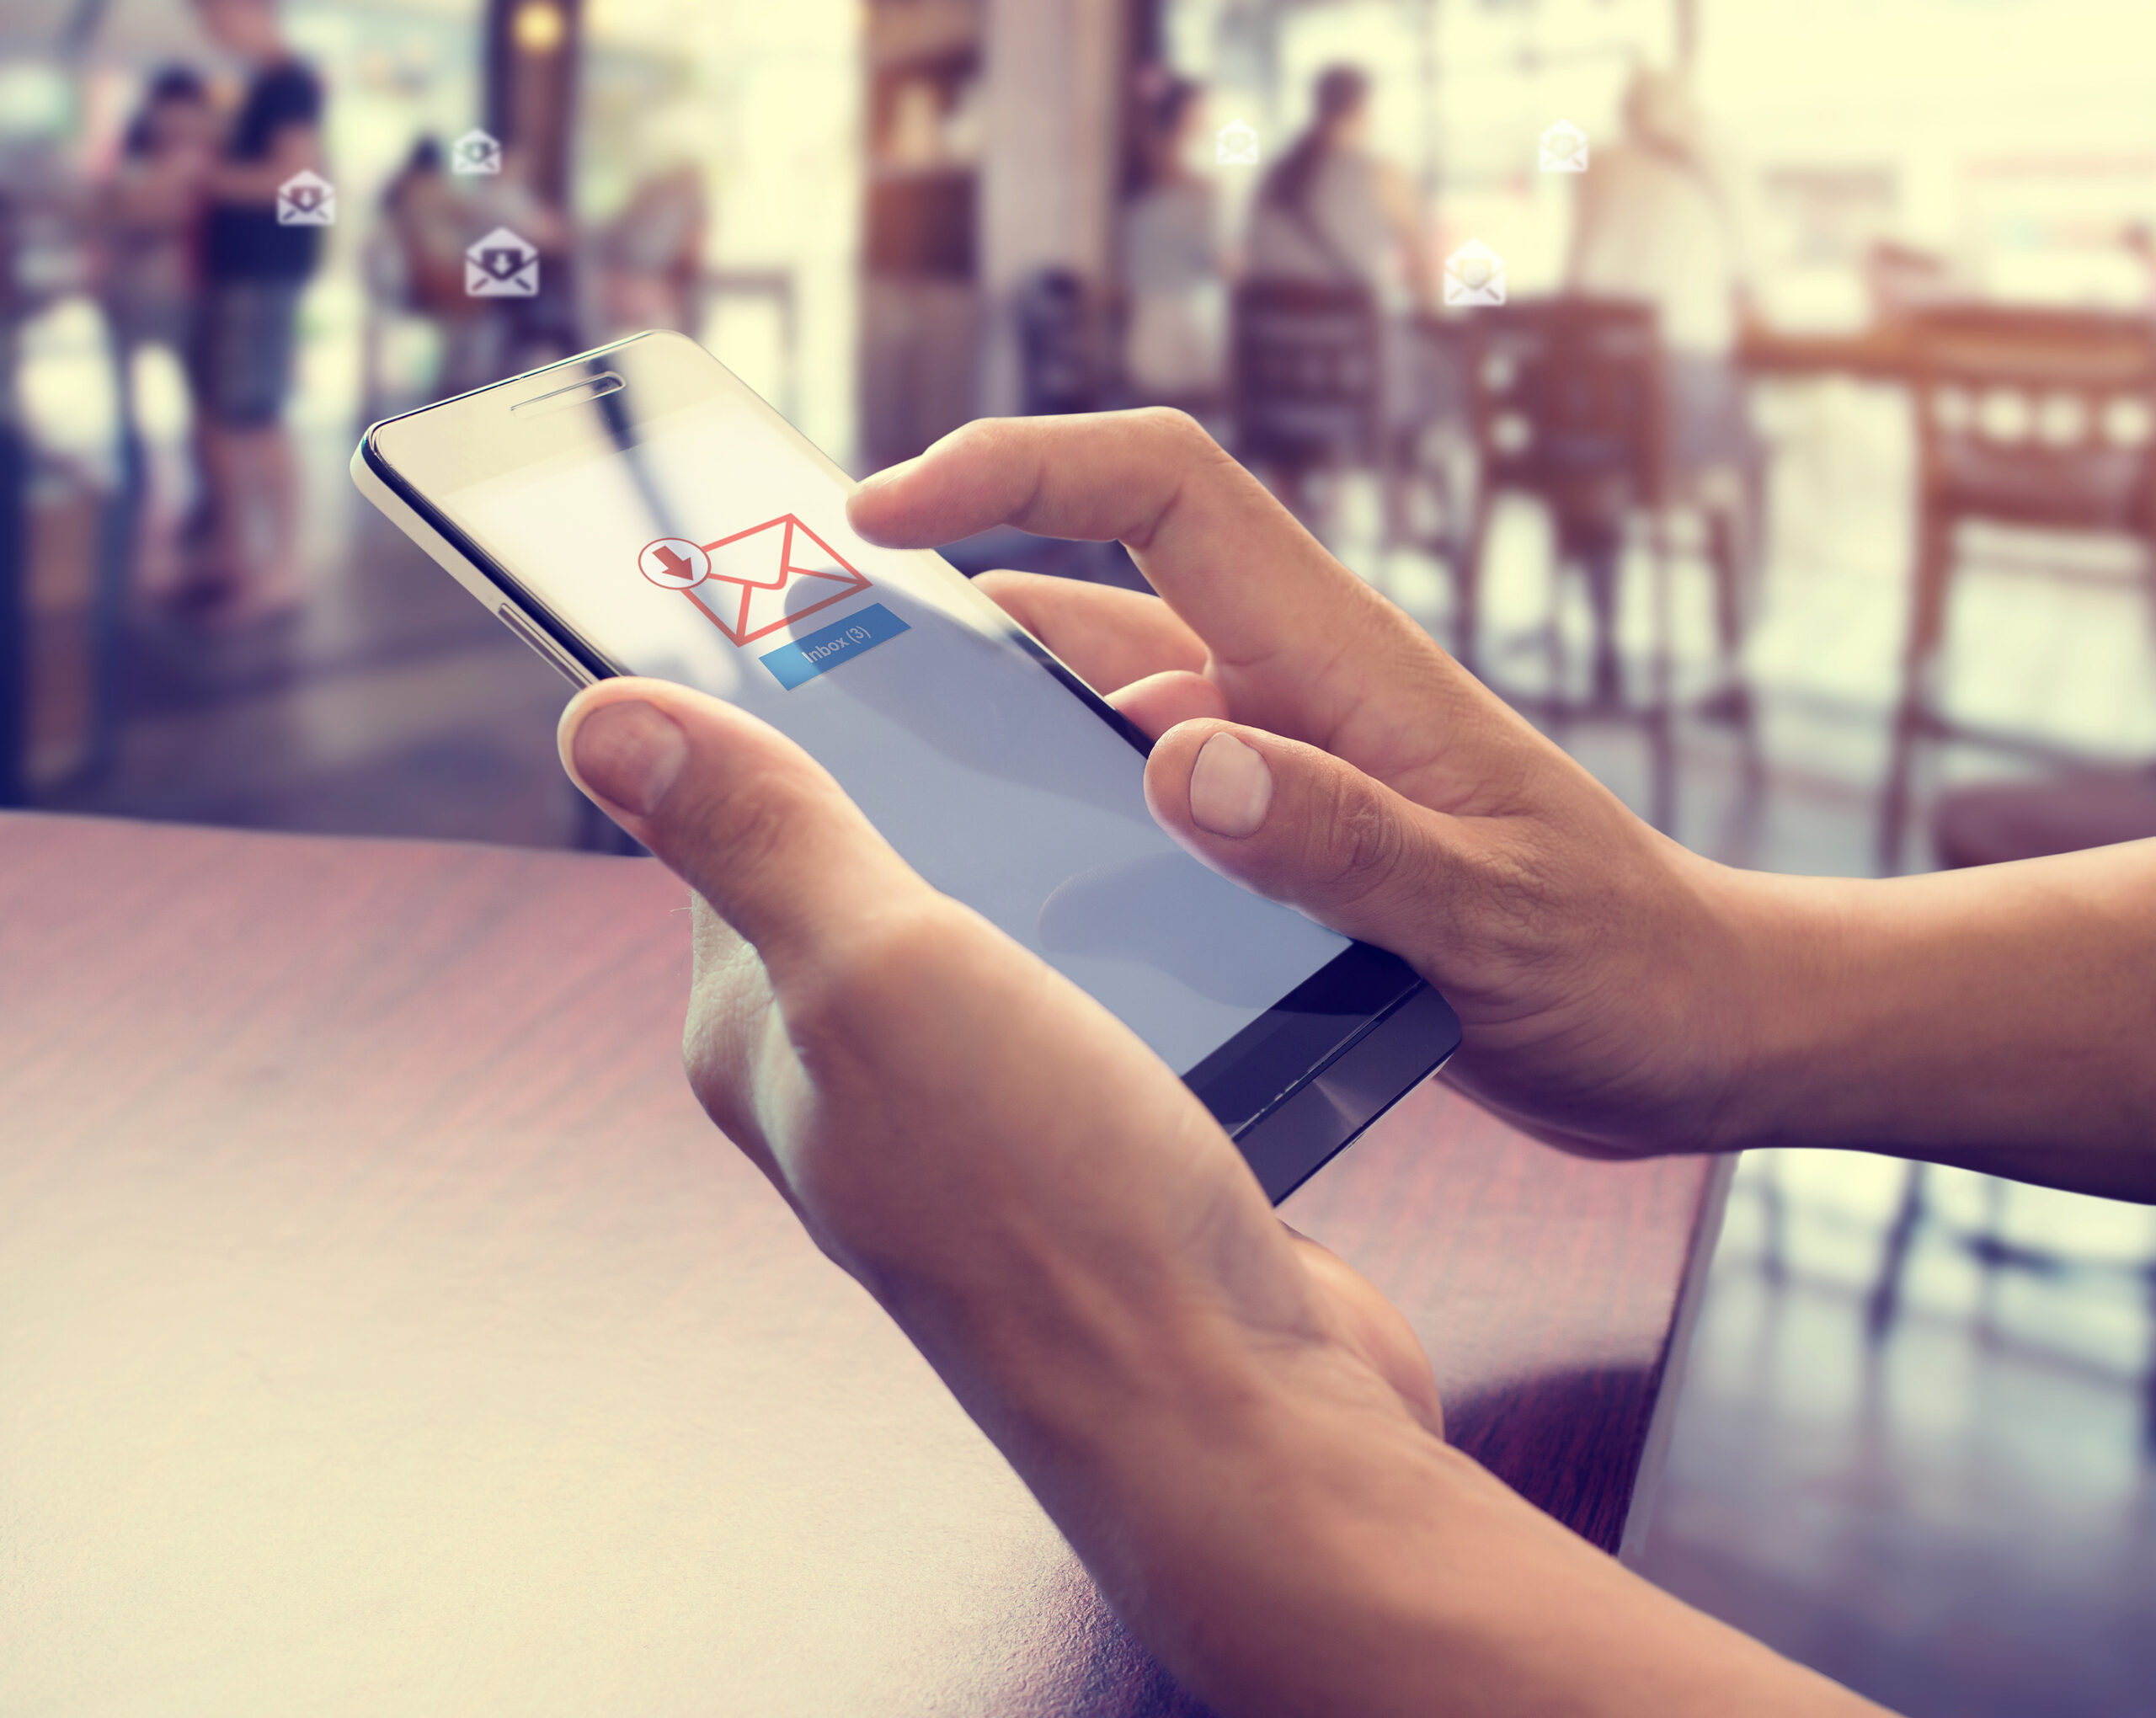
(501, 265)
(757, 581)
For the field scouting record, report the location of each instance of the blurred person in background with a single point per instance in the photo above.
(151, 214)
(651, 255)
(1333, 212)
(1175, 267)
(2139, 240)
(254, 271)
(1330, 210)
(514, 334)
(1656, 220)
(415, 267)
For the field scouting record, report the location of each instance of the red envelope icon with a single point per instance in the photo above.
(757, 581)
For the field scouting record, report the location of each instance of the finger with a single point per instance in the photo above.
(740, 813)
(1160, 701)
(1301, 826)
(1229, 558)
(1109, 637)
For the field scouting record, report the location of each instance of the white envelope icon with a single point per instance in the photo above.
(1236, 145)
(306, 199)
(476, 151)
(1564, 148)
(1475, 275)
(757, 581)
(501, 265)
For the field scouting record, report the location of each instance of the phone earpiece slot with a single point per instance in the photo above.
(577, 393)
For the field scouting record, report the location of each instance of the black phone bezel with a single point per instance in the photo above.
(1241, 1081)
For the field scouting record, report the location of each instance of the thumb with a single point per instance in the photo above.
(738, 812)
(1298, 824)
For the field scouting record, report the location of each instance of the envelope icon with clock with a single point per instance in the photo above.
(757, 581)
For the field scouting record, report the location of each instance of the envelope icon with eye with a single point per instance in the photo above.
(756, 582)
(1475, 275)
(1563, 148)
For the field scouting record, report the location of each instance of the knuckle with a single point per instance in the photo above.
(1177, 429)
(883, 962)
(1366, 845)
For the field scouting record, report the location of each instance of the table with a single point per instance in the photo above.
(383, 1328)
(1885, 353)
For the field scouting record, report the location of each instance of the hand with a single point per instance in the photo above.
(1036, 1199)
(1314, 744)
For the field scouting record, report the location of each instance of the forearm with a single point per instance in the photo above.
(1281, 1531)
(2002, 1019)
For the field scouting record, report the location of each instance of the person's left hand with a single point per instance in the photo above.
(1055, 1220)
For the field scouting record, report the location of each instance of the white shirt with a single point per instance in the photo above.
(1653, 227)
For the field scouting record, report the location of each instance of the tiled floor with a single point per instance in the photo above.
(1956, 1517)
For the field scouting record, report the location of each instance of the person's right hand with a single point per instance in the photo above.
(1314, 744)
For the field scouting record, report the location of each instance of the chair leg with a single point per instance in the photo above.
(1466, 562)
(1884, 1303)
(1914, 716)
(1662, 729)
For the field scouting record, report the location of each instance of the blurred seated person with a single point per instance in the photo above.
(1174, 266)
(1329, 210)
(651, 255)
(1655, 221)
(428, 221)
(1240, 1437)
(151, 285)
(514, 334)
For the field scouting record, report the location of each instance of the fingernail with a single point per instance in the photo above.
(629, 753)
(1230, 789)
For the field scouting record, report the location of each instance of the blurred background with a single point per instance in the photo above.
(1763, 398)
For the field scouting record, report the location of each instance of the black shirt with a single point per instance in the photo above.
(242, 241)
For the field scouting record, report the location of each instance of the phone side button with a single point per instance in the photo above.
(544, 648)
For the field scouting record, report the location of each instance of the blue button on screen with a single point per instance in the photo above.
(823, 649)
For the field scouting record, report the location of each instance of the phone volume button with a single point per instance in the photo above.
(545, 650)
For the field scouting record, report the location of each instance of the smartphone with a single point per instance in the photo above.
(639, 511)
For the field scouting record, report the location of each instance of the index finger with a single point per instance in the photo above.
(1229, 558)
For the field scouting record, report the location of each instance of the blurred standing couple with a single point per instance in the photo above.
(199, 262)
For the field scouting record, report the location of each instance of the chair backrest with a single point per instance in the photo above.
(2037, 417)
(1306, 372)
(1568, 400)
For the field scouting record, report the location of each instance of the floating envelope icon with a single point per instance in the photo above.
(1475, 275)
(501, 265)
(1236, 145)
(306, 199)
(757, 581)
(1563, 148)
(476, 151)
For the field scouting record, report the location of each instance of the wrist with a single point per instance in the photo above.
(1781, 997)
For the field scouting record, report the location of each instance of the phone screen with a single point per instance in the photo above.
(708, 545)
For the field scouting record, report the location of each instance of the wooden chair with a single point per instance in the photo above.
(1306, 376)
(2037, 418)
(1570, 407)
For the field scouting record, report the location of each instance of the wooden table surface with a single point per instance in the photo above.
(1878, 354)
(384, 1329)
